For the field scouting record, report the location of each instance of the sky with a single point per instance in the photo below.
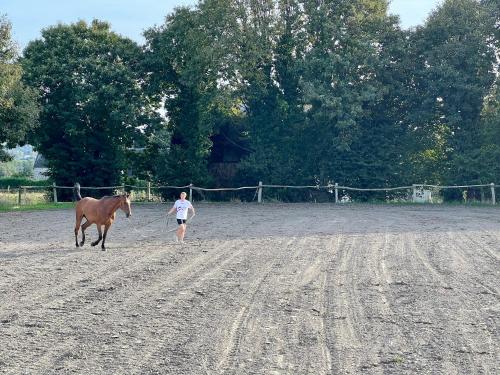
(131, 17)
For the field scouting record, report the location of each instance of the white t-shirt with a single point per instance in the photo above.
(182, 208)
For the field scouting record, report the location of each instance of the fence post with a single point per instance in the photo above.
(493, 200)
(55, 192)
(259, 192)
(19, 196)
(24, 192)
(191, 192)
(414, 193)
(336, 192)
(149, 191)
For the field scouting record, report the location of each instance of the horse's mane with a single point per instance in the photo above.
(111, 197)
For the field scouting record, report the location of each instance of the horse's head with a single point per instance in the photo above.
(125, 204)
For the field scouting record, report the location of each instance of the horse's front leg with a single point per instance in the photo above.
(99, 230)
(84, 226)
(106, 227)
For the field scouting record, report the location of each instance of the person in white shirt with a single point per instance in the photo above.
(181, 206)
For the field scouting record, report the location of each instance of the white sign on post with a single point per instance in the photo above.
(422, 196)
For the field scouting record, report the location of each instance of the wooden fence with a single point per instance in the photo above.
(418, 191)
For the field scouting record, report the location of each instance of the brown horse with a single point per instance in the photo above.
(100, 212)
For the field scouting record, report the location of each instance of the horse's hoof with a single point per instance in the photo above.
(81, 243)
(103, 249)
(77, 245)
(93, 244)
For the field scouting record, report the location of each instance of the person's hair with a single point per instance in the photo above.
(183, 192)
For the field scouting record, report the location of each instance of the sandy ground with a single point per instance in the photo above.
(270, 289)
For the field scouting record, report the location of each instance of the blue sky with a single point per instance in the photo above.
(131, 17)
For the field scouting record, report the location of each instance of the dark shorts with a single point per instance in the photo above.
(181, 221)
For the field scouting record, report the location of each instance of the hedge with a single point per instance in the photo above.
(15, 182)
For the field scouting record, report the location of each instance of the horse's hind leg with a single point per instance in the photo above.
(99, 230)
(84, 226)
(106, 227)
(77, 227)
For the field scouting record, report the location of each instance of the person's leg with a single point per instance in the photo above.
(183, 232)
(179, 233)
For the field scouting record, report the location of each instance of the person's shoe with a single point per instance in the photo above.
(176, 239)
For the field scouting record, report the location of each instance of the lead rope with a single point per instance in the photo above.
(187, 221)
(135, 228)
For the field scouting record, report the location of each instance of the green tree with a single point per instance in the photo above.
(188, 60)
(349, 136)
(490, 117)
(317, 92)
(93, 105)
(18, 106)
(490, 137)
(455, 71)
(303, 87)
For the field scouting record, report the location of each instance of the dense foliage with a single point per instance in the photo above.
(334, 91)
(93, 106)
(283, 91)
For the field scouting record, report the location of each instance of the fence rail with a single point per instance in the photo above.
(418, 190)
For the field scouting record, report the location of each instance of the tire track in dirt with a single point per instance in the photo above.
(239, 325)
(126, 293)
(478, 317)
(435, 305)
(400, 289)
(282, 321)
(148, 290)
(344, 310)
(484, 271)
(381, 297)
(427, 290)
(193, 310)
(182, 286)
(101, 271)
(359, 309)
(47, 308)
(41, 257)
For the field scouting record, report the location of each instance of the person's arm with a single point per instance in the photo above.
(171, 210)
(192, 209)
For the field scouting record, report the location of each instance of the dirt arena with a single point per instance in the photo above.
(256, 289)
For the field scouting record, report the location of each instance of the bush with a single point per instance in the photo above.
(15, 182)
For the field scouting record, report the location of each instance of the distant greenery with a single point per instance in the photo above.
(11, 168)
(15, 182)
(35, 207)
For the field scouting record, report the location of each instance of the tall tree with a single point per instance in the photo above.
(348, 135)
(455, 72)
(93, 105)
(18, 106)
(270, 47)
(188, 60)
(489, 162)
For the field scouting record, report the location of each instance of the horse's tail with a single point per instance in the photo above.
(76, 190)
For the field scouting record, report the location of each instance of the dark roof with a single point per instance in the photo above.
(40, 162)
